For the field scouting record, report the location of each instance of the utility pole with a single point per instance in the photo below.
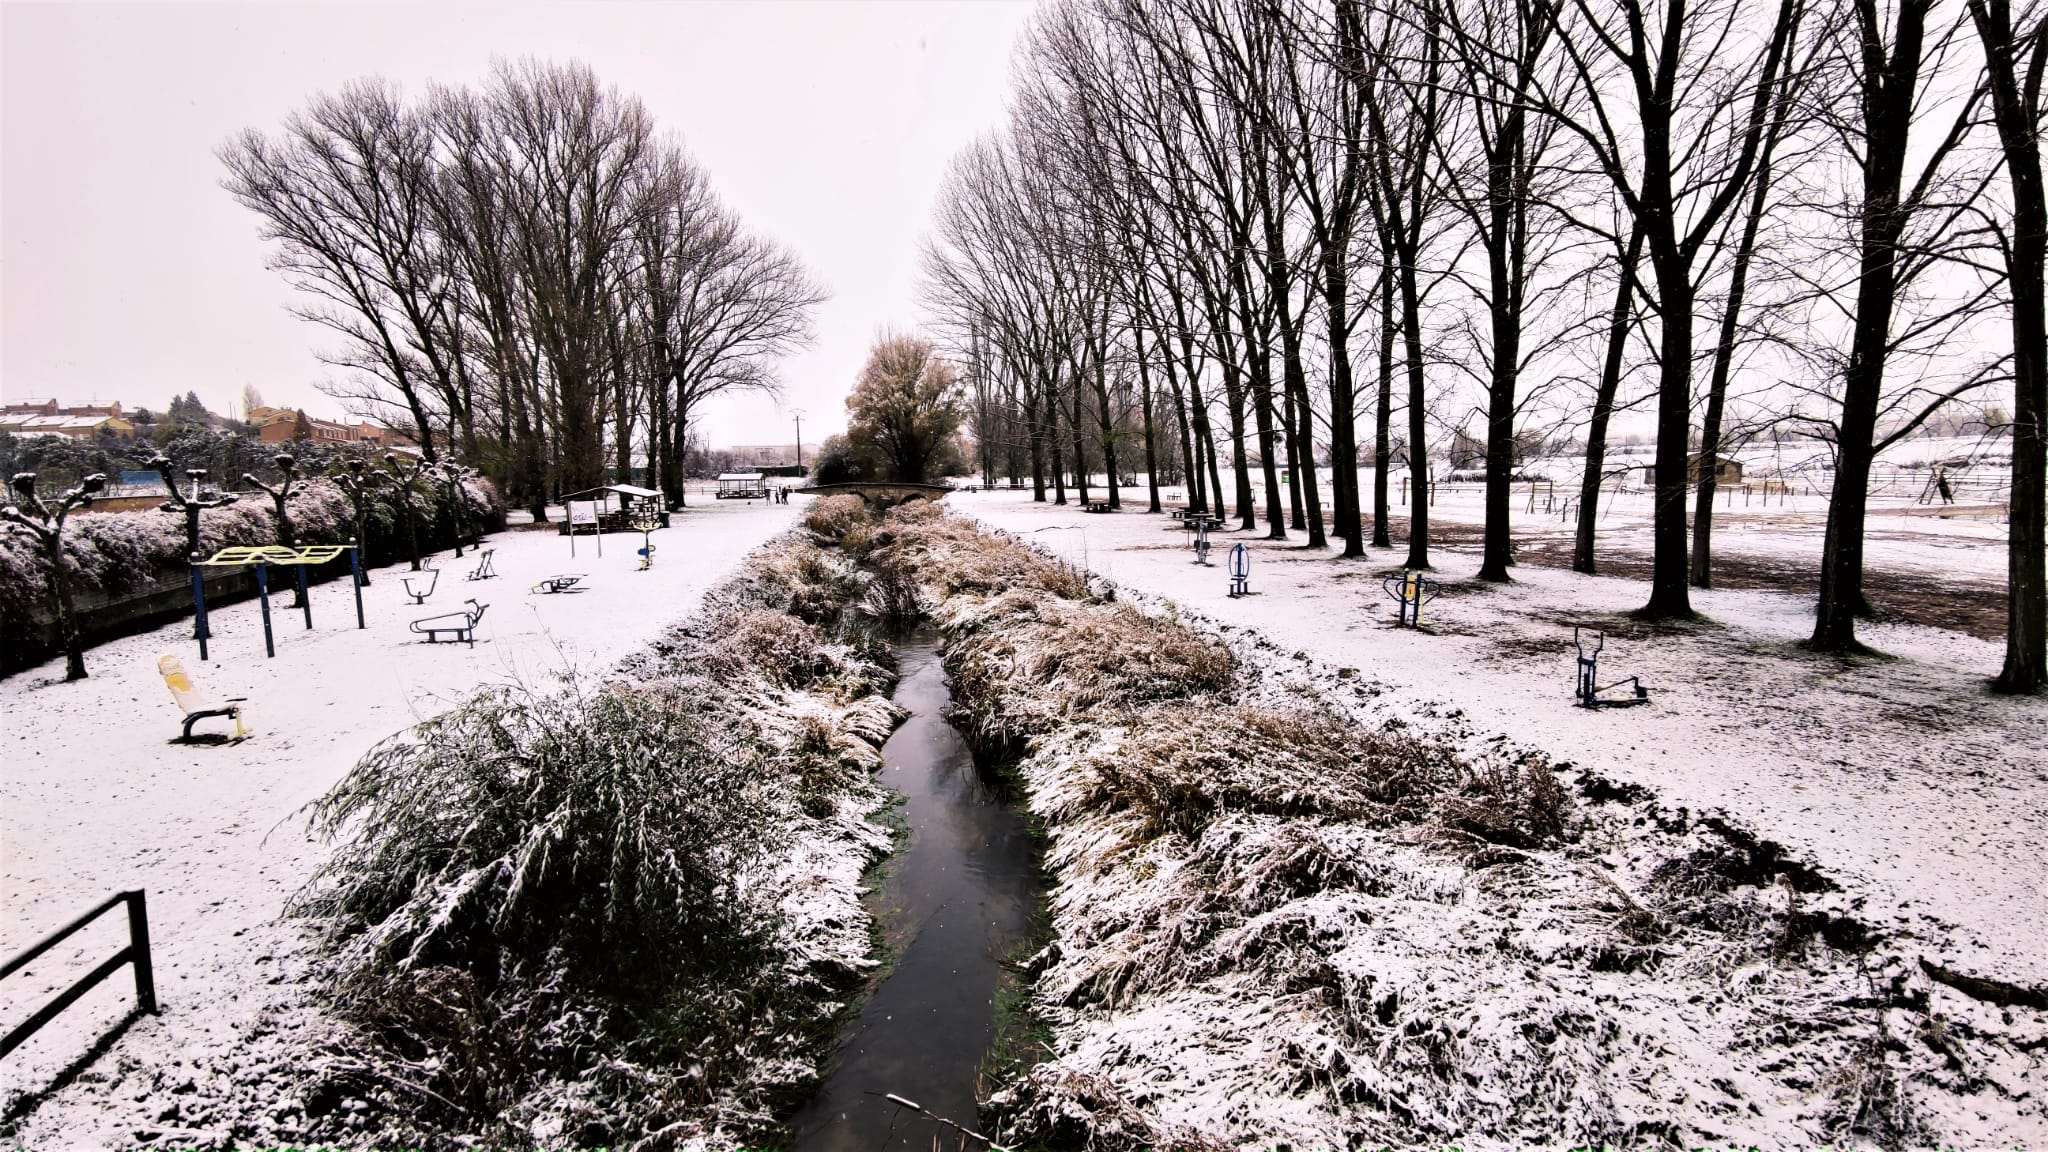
(799, 414)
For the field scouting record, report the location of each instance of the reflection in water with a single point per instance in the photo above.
(958, 901)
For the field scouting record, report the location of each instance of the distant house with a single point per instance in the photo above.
(1727, 470)
(81, 422)
(284, 425)
(76, 427)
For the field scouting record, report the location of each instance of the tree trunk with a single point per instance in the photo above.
(1035, 433)
(1383, 410)
(1887, 109)
(67, 623)
(1504, 266)
(1233, 393)
(1343, 421)
(1080, 457)
(1603, 405)
(1669, 592)
(2017, 111)
(1717, 395)
(1418, 450)
(1145, 402)
(1191, 463)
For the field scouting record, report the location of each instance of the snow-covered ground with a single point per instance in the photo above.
(1902, 779)
(94, 799)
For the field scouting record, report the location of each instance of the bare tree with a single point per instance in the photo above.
(345, 191)
(188, 504)
(1890, 68)
(572, 150)
(280, 495)
(2016, 58)
(1696, 89)
(44, 521)
(1404, 113)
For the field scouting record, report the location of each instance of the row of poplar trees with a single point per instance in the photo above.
(1306, 229)
(527, 275)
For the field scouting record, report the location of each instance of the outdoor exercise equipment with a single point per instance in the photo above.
(564, 582)
(194, 703)
(646, 522)
(460, 625)
(1589, 687)
(1410, 590)
(484, 569)
(1200, 526)
(261, 557)
(1240, 570)
(421, 584)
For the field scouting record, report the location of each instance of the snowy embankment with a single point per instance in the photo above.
(94, 799)
(1296, 904)
(1904, 778)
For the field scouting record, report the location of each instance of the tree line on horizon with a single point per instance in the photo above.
(1245, 236)
(528, 276)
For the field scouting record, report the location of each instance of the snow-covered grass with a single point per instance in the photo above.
(1916, 787)
(94, 799)
(1298, 905)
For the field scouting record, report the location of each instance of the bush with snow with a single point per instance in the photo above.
(112, 553)
(621, 912)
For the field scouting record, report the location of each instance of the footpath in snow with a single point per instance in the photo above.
(1902, 779)
(94, 799)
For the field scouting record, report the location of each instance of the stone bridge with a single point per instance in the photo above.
(880, 494)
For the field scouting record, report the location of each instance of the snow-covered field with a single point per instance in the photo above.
(1902, 779)
(93, 798)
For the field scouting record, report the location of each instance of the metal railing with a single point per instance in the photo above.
(136, 953)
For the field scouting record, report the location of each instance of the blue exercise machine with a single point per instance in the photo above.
(1410, 590)
(1240, 571)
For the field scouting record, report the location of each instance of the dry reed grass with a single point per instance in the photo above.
(618, 912)
(1274, 922)
(829, 518)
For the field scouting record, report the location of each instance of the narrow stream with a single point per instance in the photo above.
(957, 901)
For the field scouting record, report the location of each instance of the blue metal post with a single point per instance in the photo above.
(305, 601)
(199, 604)
(355, 569)
(263, 594)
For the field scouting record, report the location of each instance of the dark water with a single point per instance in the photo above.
(958, 900)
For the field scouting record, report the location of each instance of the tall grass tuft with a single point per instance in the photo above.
(829, 518)
(607, 823)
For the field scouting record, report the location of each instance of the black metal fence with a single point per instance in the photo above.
(136, 953)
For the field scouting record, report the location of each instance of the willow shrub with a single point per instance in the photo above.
(560, 913)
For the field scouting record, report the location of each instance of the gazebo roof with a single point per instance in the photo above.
(626, 489)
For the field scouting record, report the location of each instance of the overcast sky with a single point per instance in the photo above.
(127, 274)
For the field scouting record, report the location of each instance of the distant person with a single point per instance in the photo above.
(1941, 485)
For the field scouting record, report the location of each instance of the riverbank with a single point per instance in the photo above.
(1296, 905)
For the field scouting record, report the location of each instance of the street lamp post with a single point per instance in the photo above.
(799, 414)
